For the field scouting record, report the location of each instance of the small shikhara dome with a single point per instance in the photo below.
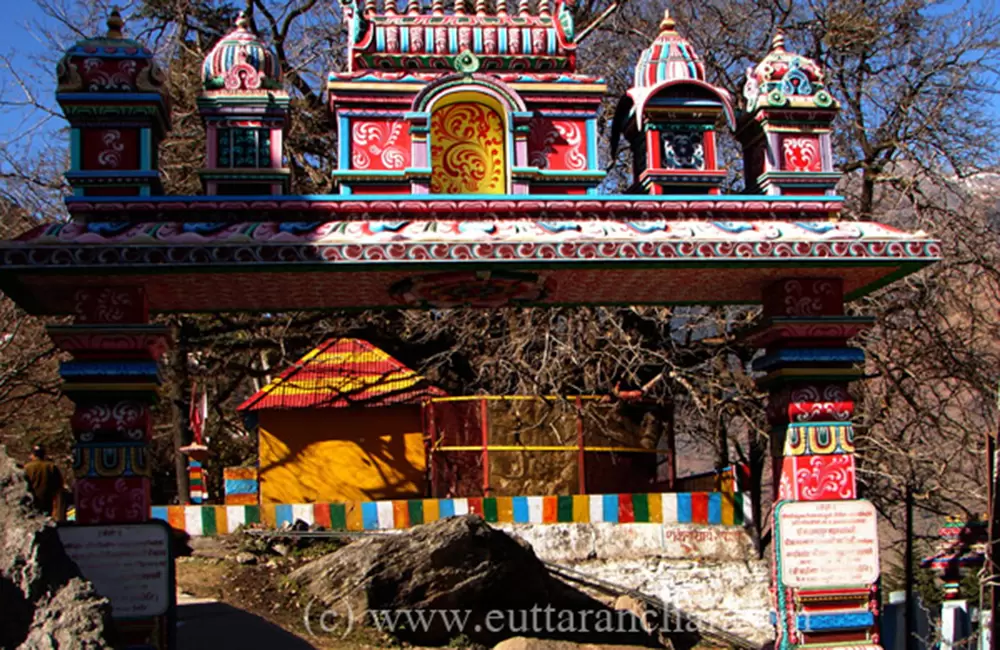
(671, 57)
(241, 62)
(786, 80)
(110, 63)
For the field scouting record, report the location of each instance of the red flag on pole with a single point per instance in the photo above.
(198, 413)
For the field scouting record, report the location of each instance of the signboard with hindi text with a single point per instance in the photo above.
(132, 565)
(827, 543)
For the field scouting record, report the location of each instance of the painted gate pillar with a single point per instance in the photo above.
(113, 380)
(825, 539)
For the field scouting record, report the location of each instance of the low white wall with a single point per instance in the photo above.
(709, 572)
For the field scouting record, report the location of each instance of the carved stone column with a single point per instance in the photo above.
(113, 380)
(806, 368)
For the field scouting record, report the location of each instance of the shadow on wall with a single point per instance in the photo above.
(334, 455)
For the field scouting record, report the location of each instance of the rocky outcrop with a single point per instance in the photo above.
(46, 603)
(459, 578)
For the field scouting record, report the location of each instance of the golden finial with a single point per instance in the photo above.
(778, 42)
(242, 21)
(115, 24)
(667, 24)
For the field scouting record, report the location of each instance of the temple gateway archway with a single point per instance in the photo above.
(468, 175)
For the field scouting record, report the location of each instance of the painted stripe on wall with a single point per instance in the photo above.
(669, 509)
(432, 510)
(400, 514)
(535, 510)
(304, 512)
(385, 514)
(192, 520)
(550, 510)
(505, 509)
(705, 508)
(684, 508)
(208, 521)
(521, 514)
(415, 511)
(610, 513)
(369, 515)
(596, 508)
(699, 508)
(626, 509)
(236, 516)
(715, 508)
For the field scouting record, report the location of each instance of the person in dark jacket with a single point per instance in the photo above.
(45, 479)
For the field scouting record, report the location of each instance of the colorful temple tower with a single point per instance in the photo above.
(112, 92)
(245, 109)
(466, 101)
(961, 548)
(467, 177)
(785, 131)
(669, 117)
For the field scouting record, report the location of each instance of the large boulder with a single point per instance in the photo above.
(454, 578)
(46, 602)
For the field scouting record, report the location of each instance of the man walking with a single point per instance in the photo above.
(46, 481)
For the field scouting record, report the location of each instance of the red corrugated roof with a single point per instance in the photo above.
(340, 373)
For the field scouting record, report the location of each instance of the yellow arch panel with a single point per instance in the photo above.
(467, 149)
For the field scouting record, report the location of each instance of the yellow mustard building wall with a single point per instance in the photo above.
(324, 455)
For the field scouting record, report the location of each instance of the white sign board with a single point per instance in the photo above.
(129, 564)
(827, 543)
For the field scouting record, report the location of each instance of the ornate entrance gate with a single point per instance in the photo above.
(387, 241)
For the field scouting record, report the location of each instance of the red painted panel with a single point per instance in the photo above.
(111, 305)
(805, 297)
(476, 506)
(117, 421)
(699, 507)
(558, 143)
(321, 514)
(112, 500)
(626, 511)
(817, 478)
(109, 149)
(801, 154)
(550, 509)
(382, 189)
(380, 144)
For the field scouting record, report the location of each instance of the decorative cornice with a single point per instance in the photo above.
(377, 243)
(457, 207)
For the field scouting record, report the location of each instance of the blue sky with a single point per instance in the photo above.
(20, 42)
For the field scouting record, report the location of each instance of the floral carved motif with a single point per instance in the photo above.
(557, 144)
(103, 75)
(802, 155)
(101, 500)
(380, 145)
(805, 297)
(111, 156)
(111, 305)
(467, 150)
(817, 478)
